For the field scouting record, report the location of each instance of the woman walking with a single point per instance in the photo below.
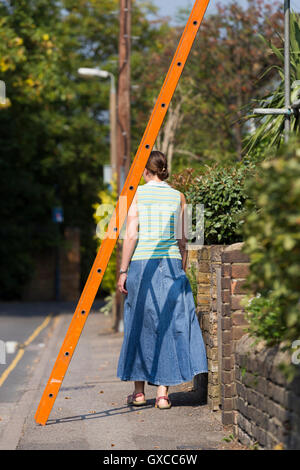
(162, 342)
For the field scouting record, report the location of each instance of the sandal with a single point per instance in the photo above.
(165, 407)
(131, 399)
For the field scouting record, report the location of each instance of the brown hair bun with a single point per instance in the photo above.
(157, 164)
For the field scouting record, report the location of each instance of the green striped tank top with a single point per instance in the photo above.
(158, 212)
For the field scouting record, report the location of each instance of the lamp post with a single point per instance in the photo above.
(95, 72)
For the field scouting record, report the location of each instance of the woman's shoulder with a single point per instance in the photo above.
(178, 193)
(182, 197)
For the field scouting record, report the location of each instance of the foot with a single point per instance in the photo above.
(139, 397)
(162, 399)
(136, 399)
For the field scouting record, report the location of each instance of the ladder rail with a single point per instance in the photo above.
(119, 215)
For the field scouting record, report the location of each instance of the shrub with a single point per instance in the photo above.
(108, 197)
(191, 273)
(265, 319)
(272, 241)
(222, 192)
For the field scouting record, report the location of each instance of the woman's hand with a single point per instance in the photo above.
(121, 283)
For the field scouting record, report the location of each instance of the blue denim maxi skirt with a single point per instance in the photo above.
(162, 341)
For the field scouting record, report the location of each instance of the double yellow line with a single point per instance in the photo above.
(21, 351)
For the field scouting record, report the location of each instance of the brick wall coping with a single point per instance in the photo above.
(235, 247)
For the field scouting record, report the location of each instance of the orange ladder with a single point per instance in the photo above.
(116, 222)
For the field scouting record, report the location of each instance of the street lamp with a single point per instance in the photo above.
(95, 72)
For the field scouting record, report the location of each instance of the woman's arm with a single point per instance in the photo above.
(182, 241)
(129, 242)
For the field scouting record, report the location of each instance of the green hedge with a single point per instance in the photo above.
(223, 193)
(272, 241)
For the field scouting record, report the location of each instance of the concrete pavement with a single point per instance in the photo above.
(90, 411)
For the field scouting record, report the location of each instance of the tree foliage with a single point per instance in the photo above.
(223, 72)
(272, 241)
(219, 79)
(54, 136)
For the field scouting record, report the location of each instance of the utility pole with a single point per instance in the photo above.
(123, 124)
(287, 67)
(113, 126)
(123, 134)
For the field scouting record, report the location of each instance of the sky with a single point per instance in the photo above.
(170, 7)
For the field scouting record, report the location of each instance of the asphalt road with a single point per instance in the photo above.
(20, 322)
(25, 329)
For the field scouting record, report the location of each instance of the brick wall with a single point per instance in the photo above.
(255, 398)
(207, 261)
(267, 406)
(221, 271)
(42, 285)
(234, 270)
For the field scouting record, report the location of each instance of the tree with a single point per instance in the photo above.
(224, 72)
(54, 130)
(220, 77)
(52, 150)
